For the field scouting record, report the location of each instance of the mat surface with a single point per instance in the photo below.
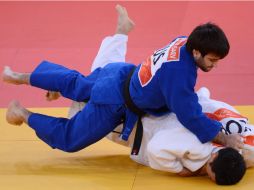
(27, 163)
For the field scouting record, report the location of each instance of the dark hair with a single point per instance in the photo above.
(229, 167)
(208, 38)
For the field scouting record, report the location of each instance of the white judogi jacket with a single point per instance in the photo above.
(166, 144)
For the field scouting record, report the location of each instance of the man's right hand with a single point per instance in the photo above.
(231, 140)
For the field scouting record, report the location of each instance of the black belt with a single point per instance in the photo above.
(131, 106)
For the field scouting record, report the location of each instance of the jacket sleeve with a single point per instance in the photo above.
(162, 157)
(177, 86)
(175, 147)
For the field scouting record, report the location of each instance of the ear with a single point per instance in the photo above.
(196, 54)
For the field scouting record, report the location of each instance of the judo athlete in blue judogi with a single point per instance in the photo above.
(121, 92)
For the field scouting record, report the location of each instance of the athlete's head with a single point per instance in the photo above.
(208, 44)
(226, 167)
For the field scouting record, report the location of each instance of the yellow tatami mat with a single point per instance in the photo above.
(27, 163)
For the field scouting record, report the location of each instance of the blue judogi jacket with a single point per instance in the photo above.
(163, 83)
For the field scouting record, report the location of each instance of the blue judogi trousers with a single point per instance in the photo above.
(88, 126)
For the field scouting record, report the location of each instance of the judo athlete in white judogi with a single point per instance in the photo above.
(166, 144)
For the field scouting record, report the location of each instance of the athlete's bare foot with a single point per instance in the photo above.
(12, 77)
(124, 23)
(52, 95)
(16, 114)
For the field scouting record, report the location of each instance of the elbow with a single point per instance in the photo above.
(153, 154)
(70, 148)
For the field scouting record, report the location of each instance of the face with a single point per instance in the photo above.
(209, 171)
(206, 63)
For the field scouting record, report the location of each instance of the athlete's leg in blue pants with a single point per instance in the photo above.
(87, 126)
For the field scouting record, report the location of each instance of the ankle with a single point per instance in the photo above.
(25, 78)
(25, 115)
